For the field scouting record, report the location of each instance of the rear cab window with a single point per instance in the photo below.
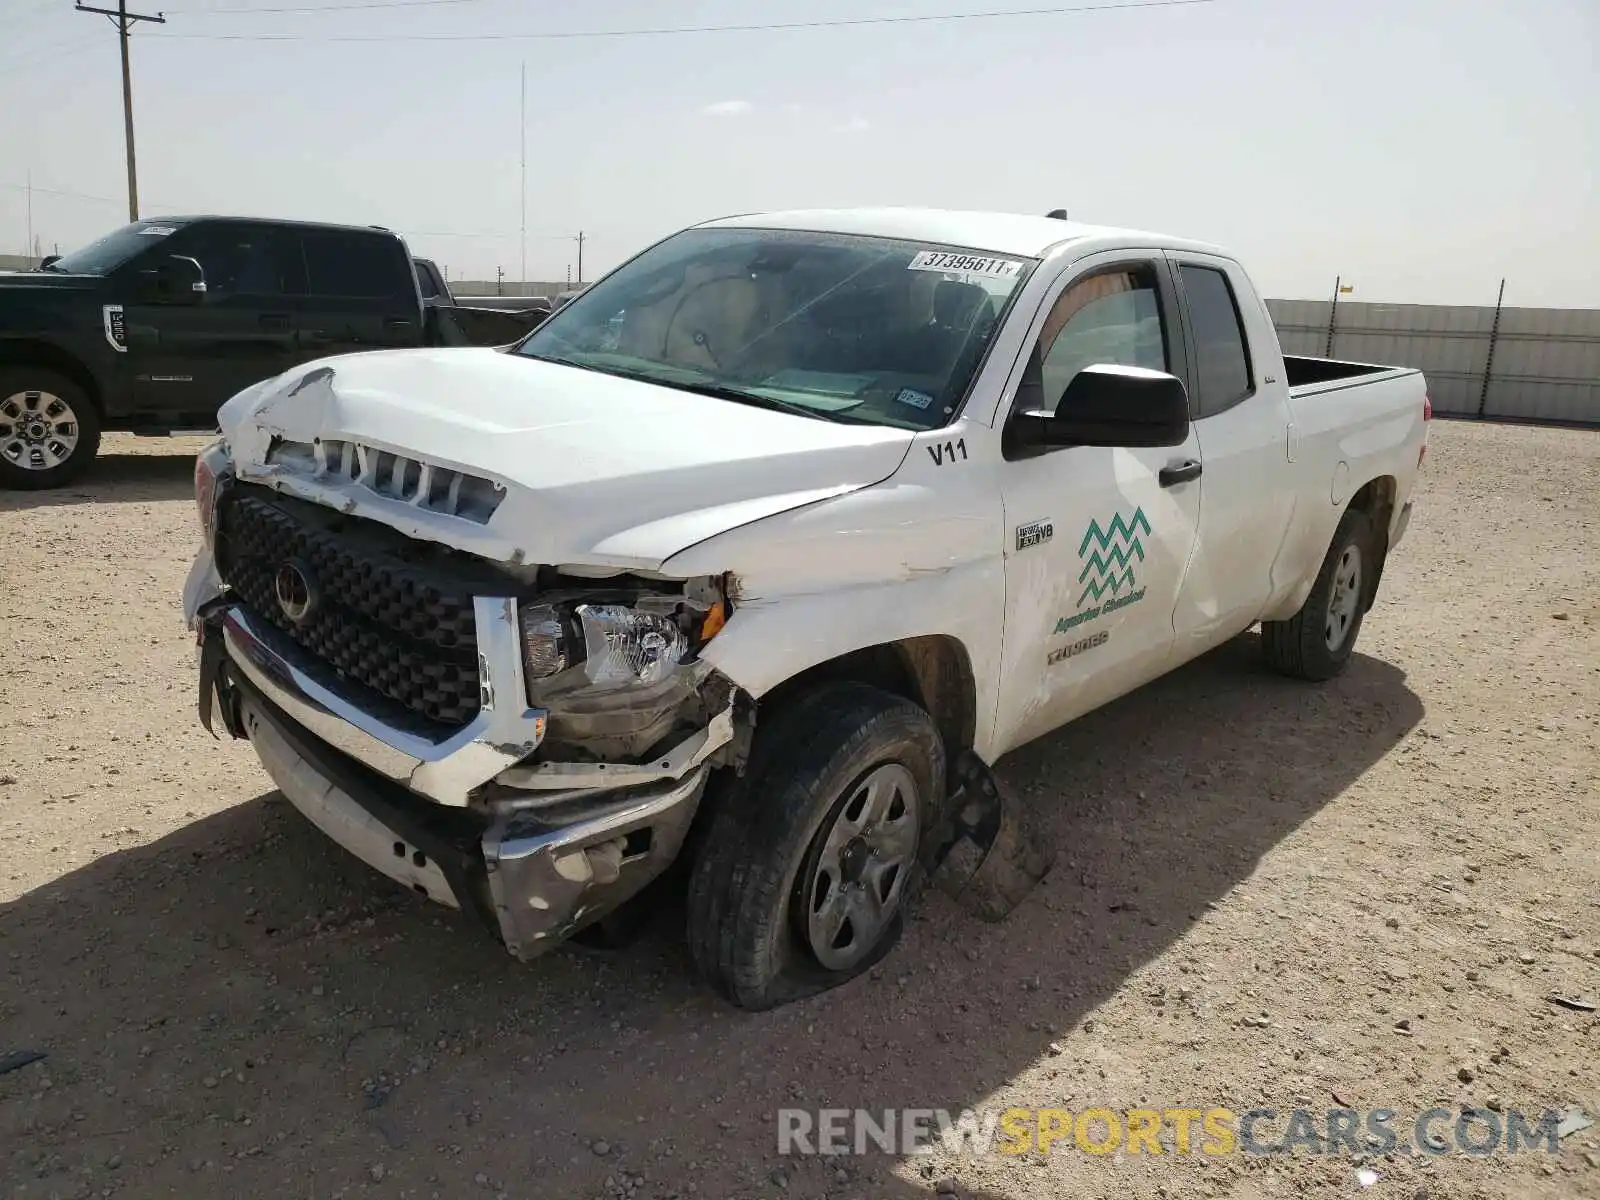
(1223, 373)
(351, 263)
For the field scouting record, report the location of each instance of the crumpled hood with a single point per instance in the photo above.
(598, 471)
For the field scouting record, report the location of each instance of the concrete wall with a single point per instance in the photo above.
(486, 287)
(1546, 363)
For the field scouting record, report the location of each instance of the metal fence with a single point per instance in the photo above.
(1528, 364)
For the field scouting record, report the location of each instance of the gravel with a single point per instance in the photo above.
(165, 923)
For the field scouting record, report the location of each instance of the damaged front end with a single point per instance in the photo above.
(522, 744)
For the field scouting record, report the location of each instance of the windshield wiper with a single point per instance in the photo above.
(753, 399)
(716, 390)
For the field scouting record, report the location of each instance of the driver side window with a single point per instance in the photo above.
(1113, 316)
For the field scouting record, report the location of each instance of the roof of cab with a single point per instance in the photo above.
(997, 232)
(286, 222)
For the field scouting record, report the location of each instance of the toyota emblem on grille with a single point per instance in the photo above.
(296, 591)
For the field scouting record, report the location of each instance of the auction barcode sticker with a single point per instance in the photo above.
(965, 264)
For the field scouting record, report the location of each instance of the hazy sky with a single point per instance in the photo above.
(1422, 148)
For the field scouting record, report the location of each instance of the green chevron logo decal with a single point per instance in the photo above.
(1112, 555)
(1109, 570)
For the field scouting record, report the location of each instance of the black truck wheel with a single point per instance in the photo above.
(1317, 641)
(49, 429)
(814, 858)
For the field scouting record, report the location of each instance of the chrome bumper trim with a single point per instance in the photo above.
(547, 880)
(504, 732)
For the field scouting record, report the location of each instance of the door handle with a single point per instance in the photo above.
(275, 321)
(394, 323)
(1178, 473)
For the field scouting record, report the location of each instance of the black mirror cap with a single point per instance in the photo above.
(179, 279)
(1108, 404)
(1117, 405)
(47, 260)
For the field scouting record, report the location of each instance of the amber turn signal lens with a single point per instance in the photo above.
(715, 620)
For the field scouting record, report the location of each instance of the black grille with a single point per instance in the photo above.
(402, 628)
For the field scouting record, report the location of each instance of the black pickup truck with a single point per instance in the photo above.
(154, 326)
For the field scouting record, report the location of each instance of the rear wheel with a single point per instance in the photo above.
(49, 430)
(1317, 641)
(814, 859)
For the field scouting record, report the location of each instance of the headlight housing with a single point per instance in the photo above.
(613, 644)
(209, 466)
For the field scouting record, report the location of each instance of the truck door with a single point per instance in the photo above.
(1241, 404)
(186, 360)
(361, 294)
(1099, 537)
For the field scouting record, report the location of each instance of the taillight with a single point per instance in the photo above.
(1427, 415)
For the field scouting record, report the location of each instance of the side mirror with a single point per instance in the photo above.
(47, 260)
(176, 279)
(1112, 405)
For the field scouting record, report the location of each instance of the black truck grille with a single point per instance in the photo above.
(403, 629)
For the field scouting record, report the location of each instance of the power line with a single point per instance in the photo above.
(664, 31)
(319, 8)
(508, 235)
(44, 191)
(23, 13)
(49, 52)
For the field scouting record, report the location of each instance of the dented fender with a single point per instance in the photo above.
(898, 560)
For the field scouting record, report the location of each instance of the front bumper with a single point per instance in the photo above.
(533, 874)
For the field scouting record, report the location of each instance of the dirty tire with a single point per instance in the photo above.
(18, 381)
(1299, 646)
(746, 912)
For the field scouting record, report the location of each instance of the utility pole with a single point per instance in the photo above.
(499, 274)
(580, 258)
(1488, 362)
(1339, 288)
(125, 21)
(524, 277)
(32, 250)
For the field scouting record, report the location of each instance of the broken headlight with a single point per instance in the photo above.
(613, 645)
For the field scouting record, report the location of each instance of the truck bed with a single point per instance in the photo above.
(1313, 376)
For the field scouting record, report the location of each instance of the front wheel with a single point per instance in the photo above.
(49, 430)
(1317, 641)
(814, 858)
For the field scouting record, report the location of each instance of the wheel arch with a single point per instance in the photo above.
(30, 352)
(1376, 498)
(932, 671)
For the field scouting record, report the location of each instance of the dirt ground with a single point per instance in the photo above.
(1268, 895)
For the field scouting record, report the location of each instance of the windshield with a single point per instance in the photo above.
(108, 253)
(832, 326)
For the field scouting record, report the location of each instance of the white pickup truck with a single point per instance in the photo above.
(756, 555)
